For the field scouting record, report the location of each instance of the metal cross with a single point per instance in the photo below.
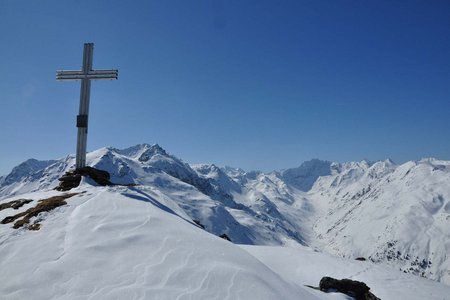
(85, 75)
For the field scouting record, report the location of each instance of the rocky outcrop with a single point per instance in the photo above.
(72, 179)
(16, 204)
(23, 219)
(357, 289)
(225, 237)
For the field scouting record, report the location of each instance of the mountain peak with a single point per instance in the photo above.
(389, 161)
(150, 151)
(26, 168)
(142, 152)
(304, 176)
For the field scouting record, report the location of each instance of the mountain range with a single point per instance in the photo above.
(393, 216)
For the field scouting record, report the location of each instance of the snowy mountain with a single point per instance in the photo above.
(387, 213)
(304, 177)
(395, 216)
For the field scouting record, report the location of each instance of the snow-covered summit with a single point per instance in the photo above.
(217, 176)
(304, 177)
(141, 149)
(28, 168)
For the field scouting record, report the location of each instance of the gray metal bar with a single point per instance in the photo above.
(78, 72)
(93, 77)
(69, 72)
(84, 106)
(103, 74)
(98, 72)
(86, 75)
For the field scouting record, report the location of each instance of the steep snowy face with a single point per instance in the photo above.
(137, 151)
(283, 208)
(239, 175)
(304, 177)
(217, 177)
(139, 164)
(351, 176)
(140, 158)
(399, 215)
(26, 170)
(33, 175)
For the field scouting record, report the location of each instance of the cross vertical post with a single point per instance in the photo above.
(82, 118)
(85, 75)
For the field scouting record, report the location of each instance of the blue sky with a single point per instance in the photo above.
(255, 84)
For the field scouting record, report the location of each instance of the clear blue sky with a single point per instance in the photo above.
(255, 84)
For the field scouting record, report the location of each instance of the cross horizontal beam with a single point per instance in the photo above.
(93, 74)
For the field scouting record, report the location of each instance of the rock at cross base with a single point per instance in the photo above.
(72, 179)
(99, 176)
(353, 288)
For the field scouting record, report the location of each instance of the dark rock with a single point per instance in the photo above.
(35, 226)
(357, 289)
(199, 224)
(361, 258)
(312, 287)
(8, 219)
(68, 182)
(44, 205)
(72, 179)
(99, 176)
(225, 237)
(16, 204)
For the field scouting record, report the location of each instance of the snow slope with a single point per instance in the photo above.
(398, 215)
(299, 264)
(128, 243)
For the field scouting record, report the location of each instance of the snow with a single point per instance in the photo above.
(401, 209)
(127, 243)
(301, 265)
(396, 216)
(304, 177)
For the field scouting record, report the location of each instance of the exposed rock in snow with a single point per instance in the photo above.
(357, 289)
(72, 179)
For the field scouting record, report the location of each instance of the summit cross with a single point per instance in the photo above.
(85, 75)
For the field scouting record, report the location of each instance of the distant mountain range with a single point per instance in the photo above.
(397, 215)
